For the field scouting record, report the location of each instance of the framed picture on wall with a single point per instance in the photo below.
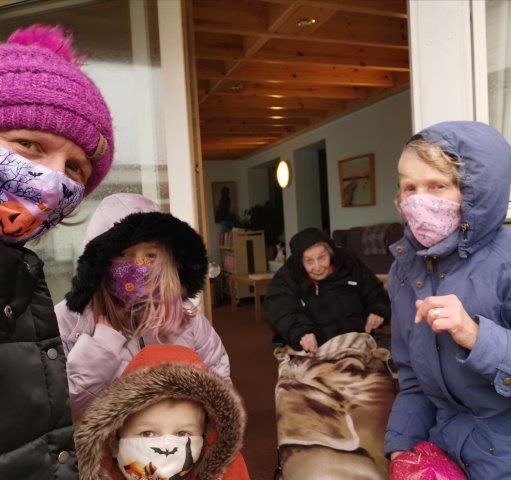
(356, 178)
(225, 201)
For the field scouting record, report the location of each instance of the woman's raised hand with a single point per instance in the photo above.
(373, 322)
(447, 314)
(309, 343)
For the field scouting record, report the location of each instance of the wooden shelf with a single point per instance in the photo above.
(246, 255)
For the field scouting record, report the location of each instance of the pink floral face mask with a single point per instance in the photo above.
(431, 219)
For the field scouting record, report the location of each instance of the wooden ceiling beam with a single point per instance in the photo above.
(295, 26)
(214, 52)
(269, 123)
(384, 8)
(207, 147)
(277, 90)
(302, 52)
(233, 112)
(275, 104)
(300, 74)
(341, 40)
(238, 139)
(222, 147)
(246, 134)
(233, 130)
(343, 28)
(248, 15)
(276, 16)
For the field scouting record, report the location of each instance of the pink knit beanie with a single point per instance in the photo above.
(42, 88)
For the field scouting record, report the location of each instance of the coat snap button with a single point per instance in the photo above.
(492, 450)
(441, 275)
(52, 355)
(507, 381)
(8, 311)
(63, 457)
(399, 249)
(438, 348)
(418, 284)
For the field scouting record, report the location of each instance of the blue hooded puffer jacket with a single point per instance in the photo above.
(456, 398)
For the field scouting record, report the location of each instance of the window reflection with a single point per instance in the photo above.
(120, 40)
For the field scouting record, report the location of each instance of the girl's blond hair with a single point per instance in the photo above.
(160, 313)
(433, 155)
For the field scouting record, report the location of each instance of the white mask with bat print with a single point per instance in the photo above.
(158, 457)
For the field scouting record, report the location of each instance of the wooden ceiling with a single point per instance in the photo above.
(269, 69)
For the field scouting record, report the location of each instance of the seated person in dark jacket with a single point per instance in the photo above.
(323, 291)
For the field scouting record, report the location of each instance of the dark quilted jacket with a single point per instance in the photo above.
(340, 304)
(36, 433)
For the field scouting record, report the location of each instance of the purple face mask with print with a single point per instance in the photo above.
(33, 198)
(127, 279)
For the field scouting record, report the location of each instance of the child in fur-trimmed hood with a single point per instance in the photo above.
(132, 288)
(167, 417)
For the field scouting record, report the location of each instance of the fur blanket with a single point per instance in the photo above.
(332, 409)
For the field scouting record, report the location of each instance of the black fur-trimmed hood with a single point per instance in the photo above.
(114, 227)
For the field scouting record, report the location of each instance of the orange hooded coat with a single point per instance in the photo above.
(156, 373)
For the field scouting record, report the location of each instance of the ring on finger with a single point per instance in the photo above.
(436, 313)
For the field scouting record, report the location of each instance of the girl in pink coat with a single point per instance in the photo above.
(132, 288)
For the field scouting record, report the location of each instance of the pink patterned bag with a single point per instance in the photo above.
(425, 462)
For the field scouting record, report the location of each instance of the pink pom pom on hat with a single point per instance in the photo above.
(42, 88)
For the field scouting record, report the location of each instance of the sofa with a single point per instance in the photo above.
(371, 243)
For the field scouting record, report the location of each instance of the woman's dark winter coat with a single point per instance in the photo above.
(36, 433)
(340, 303)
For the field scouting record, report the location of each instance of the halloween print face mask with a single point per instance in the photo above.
(170, 457)
(33, 198)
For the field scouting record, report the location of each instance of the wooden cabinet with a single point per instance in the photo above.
(243, 252)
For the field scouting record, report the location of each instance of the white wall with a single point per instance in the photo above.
(258, 185)
(381, 129)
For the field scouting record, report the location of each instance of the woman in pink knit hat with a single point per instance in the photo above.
(56, 145)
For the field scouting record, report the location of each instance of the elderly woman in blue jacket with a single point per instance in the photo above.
(450, 288)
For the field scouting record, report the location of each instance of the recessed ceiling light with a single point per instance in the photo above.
(306, 22)
(237, 87)
(275, 117)
(276, 108)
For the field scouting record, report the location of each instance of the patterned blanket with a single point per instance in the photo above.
(332, 410)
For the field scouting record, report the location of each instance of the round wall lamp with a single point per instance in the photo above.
(283, 174)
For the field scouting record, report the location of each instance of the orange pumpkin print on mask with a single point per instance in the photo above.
(16, 220)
